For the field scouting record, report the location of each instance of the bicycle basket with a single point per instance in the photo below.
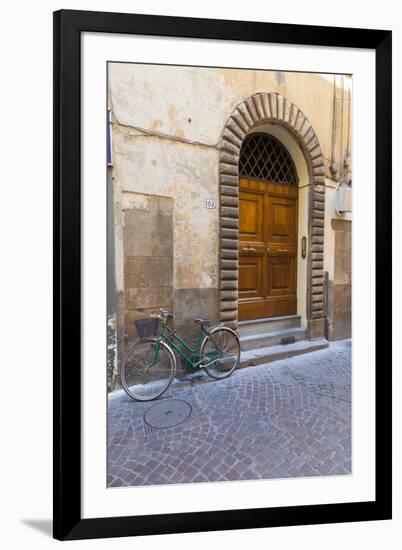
(146, 327)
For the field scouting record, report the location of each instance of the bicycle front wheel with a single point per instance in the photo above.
(148, 369)
(221, 352)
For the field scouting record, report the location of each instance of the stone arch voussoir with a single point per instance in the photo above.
(250, 113)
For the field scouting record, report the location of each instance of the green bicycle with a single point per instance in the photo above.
(149, 365)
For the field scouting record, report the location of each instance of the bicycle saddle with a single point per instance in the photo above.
(202, 321)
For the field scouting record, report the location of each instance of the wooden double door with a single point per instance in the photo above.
(267, 249)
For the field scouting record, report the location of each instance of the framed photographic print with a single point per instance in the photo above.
(222, 207)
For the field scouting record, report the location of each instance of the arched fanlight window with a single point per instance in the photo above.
(263, 157)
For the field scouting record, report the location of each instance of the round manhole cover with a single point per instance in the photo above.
(167, 414)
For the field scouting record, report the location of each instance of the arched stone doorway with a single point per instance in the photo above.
(251, 113)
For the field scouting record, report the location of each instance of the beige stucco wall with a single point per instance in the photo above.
(194, 103)
(152, 166)
(167, 123)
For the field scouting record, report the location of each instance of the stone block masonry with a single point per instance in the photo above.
(340, 320)
(148, 259)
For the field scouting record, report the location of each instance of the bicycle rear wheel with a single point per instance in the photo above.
(222, 344)
(148, 369)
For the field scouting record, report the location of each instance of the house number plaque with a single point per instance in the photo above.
(210, 203)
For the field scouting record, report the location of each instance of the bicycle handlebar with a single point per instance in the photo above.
(163, 314)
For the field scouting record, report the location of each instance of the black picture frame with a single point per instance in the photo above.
(68, 26)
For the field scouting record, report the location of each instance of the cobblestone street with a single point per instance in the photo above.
(288, 418)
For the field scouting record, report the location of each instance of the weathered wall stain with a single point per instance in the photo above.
(280, 77)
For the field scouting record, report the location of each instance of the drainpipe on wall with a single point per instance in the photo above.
(333, 164)
(327, 321)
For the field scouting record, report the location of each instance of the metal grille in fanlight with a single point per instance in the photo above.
(263, 157)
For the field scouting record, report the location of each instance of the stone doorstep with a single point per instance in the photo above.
(270, 324)
(255, 341)
(274, 353)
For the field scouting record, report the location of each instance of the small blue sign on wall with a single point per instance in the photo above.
(109, 139)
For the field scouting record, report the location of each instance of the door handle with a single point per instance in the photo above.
(304, 247)
(283, 250)
(249, 249)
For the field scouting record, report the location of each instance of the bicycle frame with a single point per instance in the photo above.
(191, 356)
